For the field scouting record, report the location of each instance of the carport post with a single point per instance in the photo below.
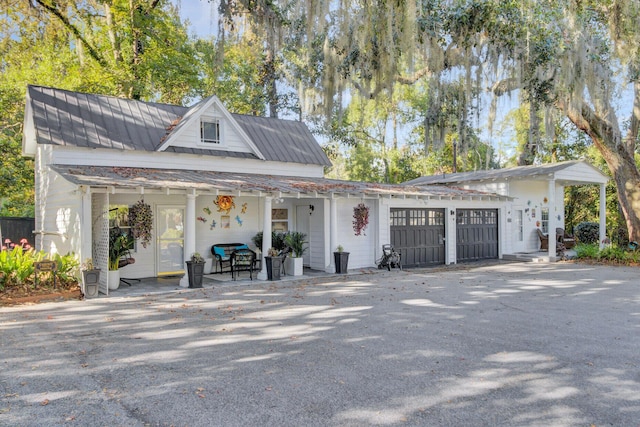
(603, 214)
(266, 237)
(333, 233)
(189, 233)
(551, 232)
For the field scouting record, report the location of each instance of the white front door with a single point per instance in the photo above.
(302, 226)
(170, 240)
(519, 244)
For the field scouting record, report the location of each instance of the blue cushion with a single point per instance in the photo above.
(242, 247)
(219, 251)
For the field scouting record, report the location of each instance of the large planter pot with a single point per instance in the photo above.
(90, 282)
(114, 279)
(195, 271)
(342, 261)
(274, 265)
(294, 266)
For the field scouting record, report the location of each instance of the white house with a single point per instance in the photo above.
(536, 198)
(214, 177)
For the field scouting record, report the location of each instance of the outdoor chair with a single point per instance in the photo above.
(242, 260)
(544, 240)
(283, 253)
(565, 238)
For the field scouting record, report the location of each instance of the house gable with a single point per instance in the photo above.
(187, 132)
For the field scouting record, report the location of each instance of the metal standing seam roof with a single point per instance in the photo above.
(162, 179)
(77, 119)
(520, 172)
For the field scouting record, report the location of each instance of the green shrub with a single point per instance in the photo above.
(17, 267)
(584, 250)
(613, 253)
(587, 232)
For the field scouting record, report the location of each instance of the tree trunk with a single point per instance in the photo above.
(608, 140)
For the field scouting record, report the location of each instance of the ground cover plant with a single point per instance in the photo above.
(610, 253)
(18, 281)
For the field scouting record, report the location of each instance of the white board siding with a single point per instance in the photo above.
(581, 172)
(59, 214)
(361, 248)
(125, 158)
(230, 140)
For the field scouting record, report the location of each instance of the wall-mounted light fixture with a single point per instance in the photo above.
(311, 209)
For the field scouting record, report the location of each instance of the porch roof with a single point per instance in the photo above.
(572, 172)
(175, 181)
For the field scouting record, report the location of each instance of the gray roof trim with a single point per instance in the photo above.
(75, 119)
(520, 172)
(208, 181)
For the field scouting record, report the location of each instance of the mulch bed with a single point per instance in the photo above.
(23, 296)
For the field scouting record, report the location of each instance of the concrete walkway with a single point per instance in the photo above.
(519, 344)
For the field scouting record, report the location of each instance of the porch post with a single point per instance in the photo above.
(333, 233)
(266, 237)
(189, 233)
(86, 243)
(552, 220)
(603, 214)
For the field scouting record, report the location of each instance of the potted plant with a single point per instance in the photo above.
(195, 270)
(296, 241)
(274, 264)
(341, 259)
(90, 279)
(119, 245)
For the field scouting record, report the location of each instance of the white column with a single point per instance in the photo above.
(603, 214)
(333, 233)
(266, 236)
(189, 222)
(552, 220)
(86, 243)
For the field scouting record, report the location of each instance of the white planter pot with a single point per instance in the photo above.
(294, 267)
(114, 279)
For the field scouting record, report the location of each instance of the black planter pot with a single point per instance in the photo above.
(195, 271)
(274, 265)
(342, 261)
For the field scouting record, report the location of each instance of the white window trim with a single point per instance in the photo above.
(220, 142)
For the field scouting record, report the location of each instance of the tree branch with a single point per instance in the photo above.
(74, 30)
(632, 135)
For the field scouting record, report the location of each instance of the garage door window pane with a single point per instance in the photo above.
(398, 218)
(436, 217)
(417, 217)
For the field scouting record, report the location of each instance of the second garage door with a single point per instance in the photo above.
(418, 235)
(477, 234)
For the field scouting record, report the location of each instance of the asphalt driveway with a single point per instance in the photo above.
(510, 344)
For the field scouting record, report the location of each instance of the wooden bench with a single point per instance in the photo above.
(222, 255)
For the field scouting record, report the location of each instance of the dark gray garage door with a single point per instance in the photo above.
(418, 235)
(476, 234)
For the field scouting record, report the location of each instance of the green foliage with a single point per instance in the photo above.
(587, 250)
(296, 241)
(120, 244)
(613, 253)
(17, 267)
(587, 232)
(277, 240)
